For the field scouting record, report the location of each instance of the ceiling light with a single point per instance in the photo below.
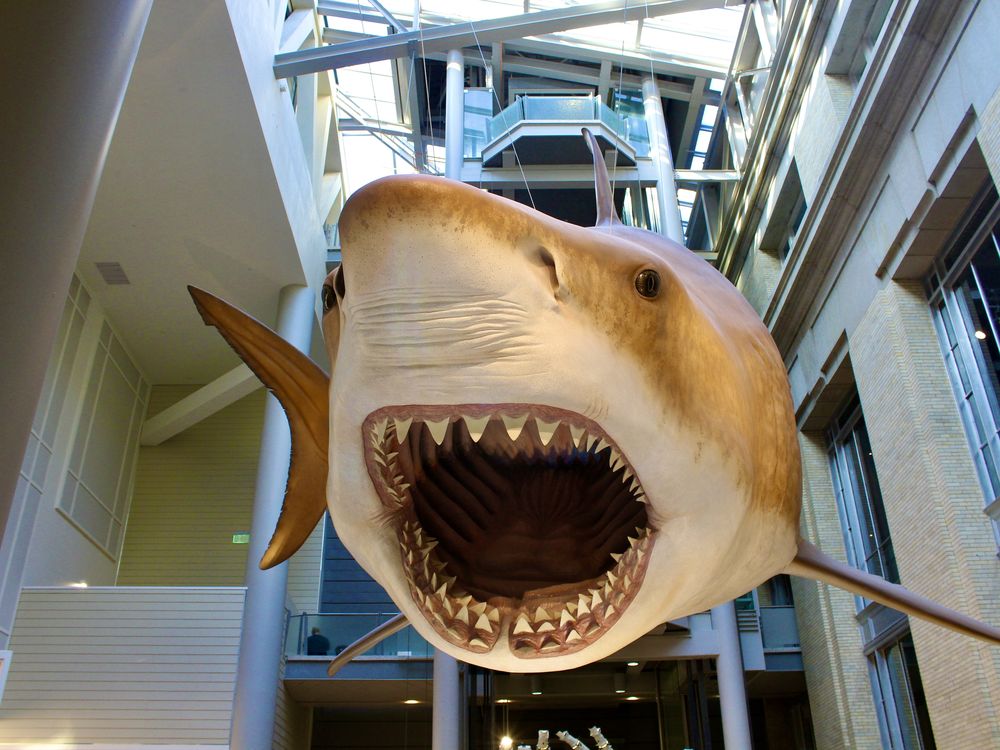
(411, 701)
(981, 335)
(503, 700)
(619, 682)
(632, 698)
(506, 743)
(632, 664)
(536, 685)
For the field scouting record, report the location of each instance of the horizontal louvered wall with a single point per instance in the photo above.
(192, 493)
(123, 665)
(304, 572)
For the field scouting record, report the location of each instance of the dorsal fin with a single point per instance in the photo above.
(606, 214)
(811, 562)
(303, 390)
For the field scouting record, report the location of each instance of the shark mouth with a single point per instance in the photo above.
(515, 519)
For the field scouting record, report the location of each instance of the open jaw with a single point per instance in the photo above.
(515, 520)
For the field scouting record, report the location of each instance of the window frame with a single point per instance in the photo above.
(859, 515)
(978, 405)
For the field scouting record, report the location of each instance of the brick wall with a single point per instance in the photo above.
(942, 539)
(840, 697)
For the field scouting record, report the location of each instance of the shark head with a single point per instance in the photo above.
(542, 440)
(546, 440)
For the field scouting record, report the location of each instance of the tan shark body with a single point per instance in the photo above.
(544, 440)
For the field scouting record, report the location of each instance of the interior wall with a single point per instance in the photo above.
(193, 492)
(89, 428)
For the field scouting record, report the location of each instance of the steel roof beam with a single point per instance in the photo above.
(452, 36)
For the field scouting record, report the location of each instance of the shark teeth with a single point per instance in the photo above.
(457, 615)
(581, 618)
(539, 625)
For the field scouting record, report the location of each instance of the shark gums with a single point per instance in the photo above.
(543, 440)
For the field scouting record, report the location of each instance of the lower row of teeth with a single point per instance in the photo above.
(539, 630)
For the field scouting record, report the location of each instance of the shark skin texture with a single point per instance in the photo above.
(544, 440)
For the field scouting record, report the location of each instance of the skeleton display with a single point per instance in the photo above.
(542, 440)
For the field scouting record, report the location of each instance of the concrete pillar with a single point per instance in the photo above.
(454, 119)
(446, 717)
(659, 151)
(732, 689)
(263, 614)
(447, 712)
(63, 90)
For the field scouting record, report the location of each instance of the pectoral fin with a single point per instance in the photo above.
(303, 390)
(812, 563)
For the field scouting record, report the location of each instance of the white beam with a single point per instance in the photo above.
(692, 121)
(453, 36)
(203, 403)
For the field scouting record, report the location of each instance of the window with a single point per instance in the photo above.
(857, 38)
(98, 482)
(786, 216)
(904, 721)
(965, 298)
(859, 500)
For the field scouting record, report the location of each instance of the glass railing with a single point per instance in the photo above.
(480, 130)
(339, 630)
(778, 628)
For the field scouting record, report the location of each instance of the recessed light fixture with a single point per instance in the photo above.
(411, 701)
(503, 700)
(631, 664)
(632, 698)
(536, 685)
(981, 335)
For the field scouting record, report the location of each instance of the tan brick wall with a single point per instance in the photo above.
(989, 135)
(758, 278)
(836, 671)
(943, 542)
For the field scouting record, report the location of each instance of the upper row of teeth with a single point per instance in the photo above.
(515, 425)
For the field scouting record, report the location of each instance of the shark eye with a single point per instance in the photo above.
(329, 298)
(647, 283)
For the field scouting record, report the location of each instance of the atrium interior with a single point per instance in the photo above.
(836, 160)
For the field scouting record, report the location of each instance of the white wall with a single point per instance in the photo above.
(78, 468)
(122, 666)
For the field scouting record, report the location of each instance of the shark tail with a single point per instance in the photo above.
(811, 562)
(302, 389)
(606, 213)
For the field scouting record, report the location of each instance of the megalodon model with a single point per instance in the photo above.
(543, 440)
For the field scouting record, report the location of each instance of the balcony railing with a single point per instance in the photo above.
(343, 628)
(480, 129)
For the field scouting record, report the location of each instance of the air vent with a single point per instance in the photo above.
(112, 272)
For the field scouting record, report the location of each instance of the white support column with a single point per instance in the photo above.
(732, 689)
(446, 717)
(63, 93)
(454, 119)
(263, 614)
(659, 150)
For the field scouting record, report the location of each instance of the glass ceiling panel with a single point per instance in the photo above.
(702, 38)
